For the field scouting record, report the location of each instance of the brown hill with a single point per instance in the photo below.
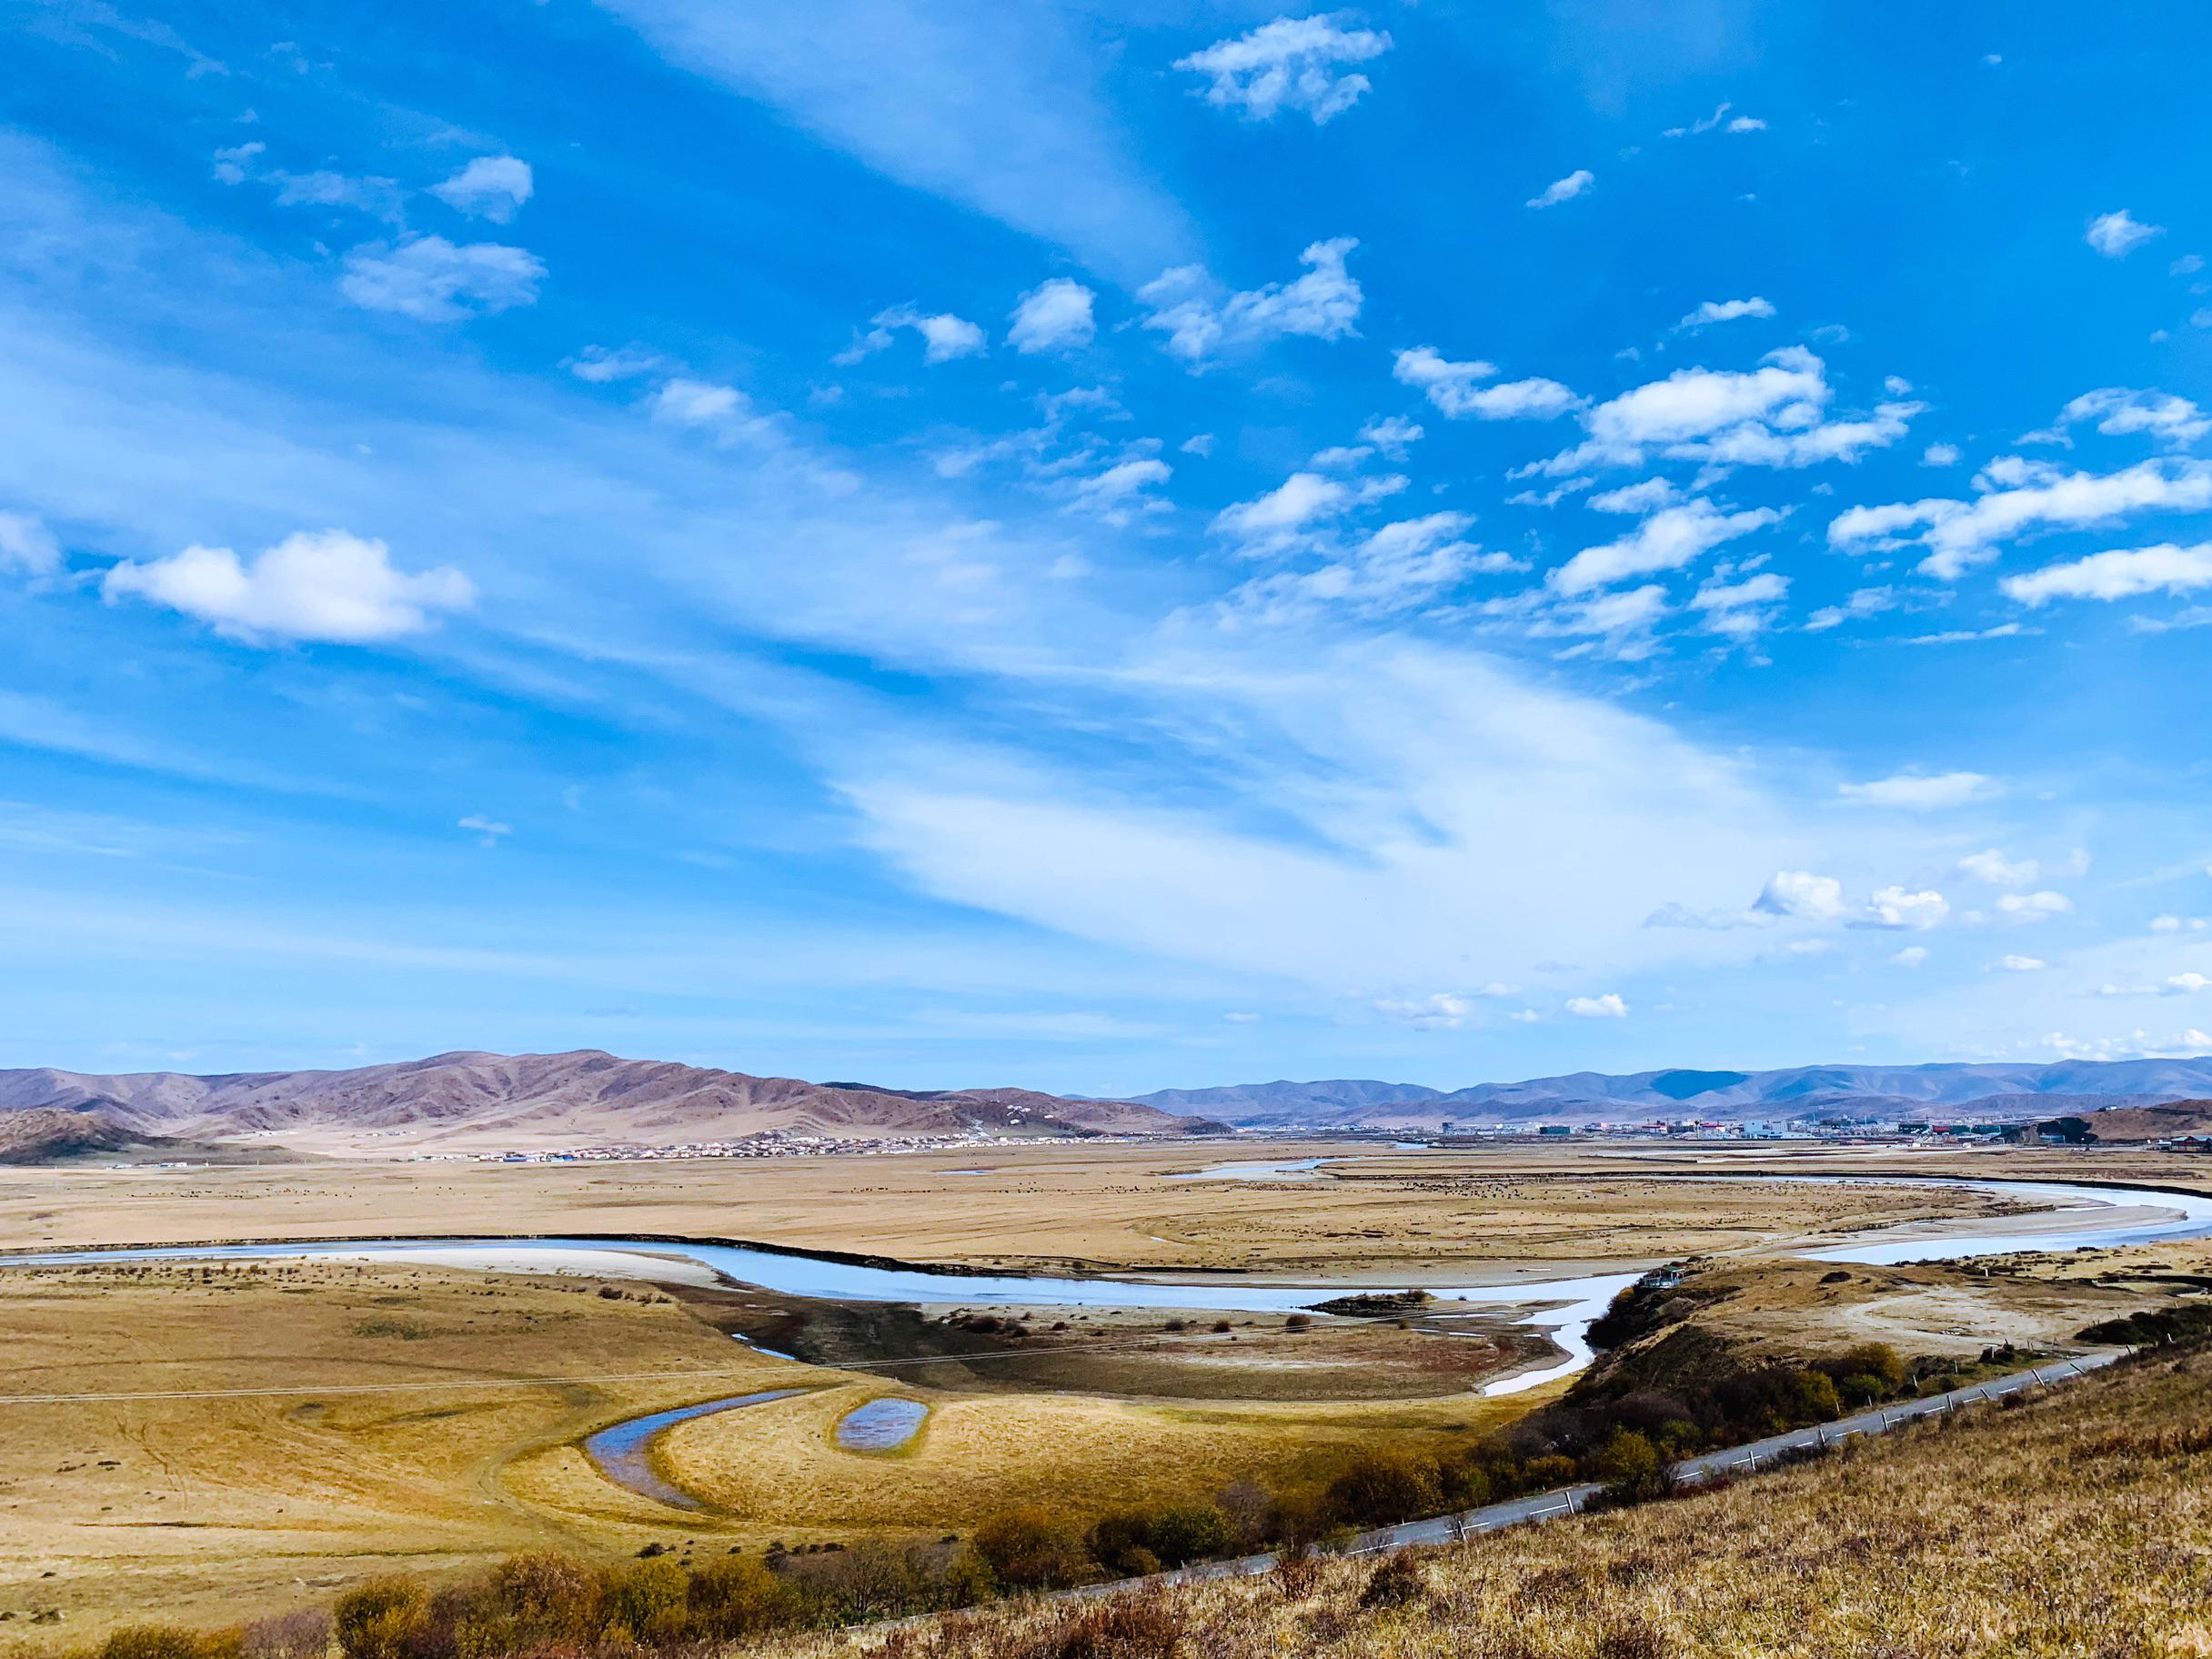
(2153, 1123)
(469, 1100)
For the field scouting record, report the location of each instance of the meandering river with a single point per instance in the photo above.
(2079, 1217)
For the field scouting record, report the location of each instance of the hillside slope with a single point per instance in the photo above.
(2079, 1523)
(467, 1100)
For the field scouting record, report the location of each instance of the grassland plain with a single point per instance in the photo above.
(2077, 1526)
(1056, 1207)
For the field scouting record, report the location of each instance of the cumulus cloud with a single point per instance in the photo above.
(324, 585)
(1392, 435)
(490, 188)
(1563, 189)
(1055, 315)
(2118, 234)
(1299, 501)
(2035, 907)
(1773, 416)
(1120, 492)
(944, 337)
(1396, 568)
(1939, 455)
(1455, 389)
(27, 547)
(1802, 894)
(1920, 791)
(1997, 871)
(2022, 964)
(2017, 496)
(1899, 908)
(437, 281)
(1666, 540)
(1912, 956)
(1293, 62)
(1741, 609)
(2165, 568)
(1723, 311)
(2120, 411)
(1607, 1007)
(1199, 318)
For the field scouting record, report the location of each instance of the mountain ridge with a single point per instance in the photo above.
(461, 1099)
(1677, 1092)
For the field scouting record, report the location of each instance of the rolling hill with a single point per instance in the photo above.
(475, 1101)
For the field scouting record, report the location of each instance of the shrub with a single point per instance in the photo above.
(1189, 1532)
(1397, 1580)
(304, 1635)
(548, 1597)
(1384, 1486)
(151, 1642)
(1121, 1627)
(1032, 1548)
(1629, 1465)
(734, 1595)
(381, 1619)
(647, 1600)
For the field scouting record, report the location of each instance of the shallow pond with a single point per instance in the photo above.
(880, 1426)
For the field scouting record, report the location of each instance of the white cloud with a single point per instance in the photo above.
(600, 364)
(2035, 907)
(1723, 311)
(1445, 1010)
(1297, 502)
(1773, 416)
(1802, 894)
(2120, 411)
(1188, 307)
(26, 546)
(2019, 495)
(1912, 956)
(488, 831)
(1939, 455)
(2165, 568)
(1399, 567)
(2118, 234)
(436, 281)
(1899, 907)
(1392, 435)
(1862, 603)
(1289, 64)
(1741, 609)
(2022, 964)
(1607, 1007)
(1919, 791)
(1055, 315)
(1747, 123)
(1640, 498)
(1119, 492)
(1629, 611)
(2188, 984)
(1563, 189)
(313, 585)
(944, 337)
(1453, 388)
(490, 188)
(1671, 537)
(1997, 871)
(324, 188)
(1718, 118)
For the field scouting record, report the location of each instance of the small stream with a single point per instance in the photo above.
(623, 1454)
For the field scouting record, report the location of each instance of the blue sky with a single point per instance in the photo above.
(1103, 546)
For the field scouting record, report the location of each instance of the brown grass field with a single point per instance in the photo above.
(2078, 1526)
(386, 1441)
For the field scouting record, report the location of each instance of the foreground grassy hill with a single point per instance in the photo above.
(2079, 1523)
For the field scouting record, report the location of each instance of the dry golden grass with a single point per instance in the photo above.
(777, 1463)
(2077, 1527)
(218, 1507)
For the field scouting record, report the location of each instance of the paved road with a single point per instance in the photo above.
(1692, 1470)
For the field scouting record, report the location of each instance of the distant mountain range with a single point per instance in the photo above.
(475, 1102)
(1797, 1092)
(494, 1102)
